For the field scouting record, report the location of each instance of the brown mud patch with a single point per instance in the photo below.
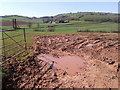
(10, 23)
(85, 60)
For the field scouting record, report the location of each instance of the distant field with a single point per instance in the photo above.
(73, 26)
(10, 23)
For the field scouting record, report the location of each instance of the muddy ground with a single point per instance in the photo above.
(10, 23)
(88, 60)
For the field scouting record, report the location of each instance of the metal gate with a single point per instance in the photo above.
(11, 47)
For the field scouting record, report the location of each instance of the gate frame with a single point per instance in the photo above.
(7, 57)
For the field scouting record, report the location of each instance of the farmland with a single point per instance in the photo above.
(82, 38)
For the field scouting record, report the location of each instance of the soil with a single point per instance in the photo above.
(85, 60)
(10, 23)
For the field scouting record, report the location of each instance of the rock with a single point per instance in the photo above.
(111, 62)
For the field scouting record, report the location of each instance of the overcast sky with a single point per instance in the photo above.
(40, 9)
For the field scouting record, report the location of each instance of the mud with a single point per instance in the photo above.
(10, 23)
(70, 64)
(85, 60)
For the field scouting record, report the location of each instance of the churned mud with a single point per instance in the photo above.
(85, 60)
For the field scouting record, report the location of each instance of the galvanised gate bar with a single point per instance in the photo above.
(19, 46)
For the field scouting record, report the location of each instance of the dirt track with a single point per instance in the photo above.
(99, 53)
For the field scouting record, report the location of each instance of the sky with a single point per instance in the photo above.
(39, 9)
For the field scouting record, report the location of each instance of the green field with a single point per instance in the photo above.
(73, 26)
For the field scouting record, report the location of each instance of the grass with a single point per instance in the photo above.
(9, 41)
(74, 25)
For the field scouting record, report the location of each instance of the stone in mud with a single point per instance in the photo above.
(111, 62)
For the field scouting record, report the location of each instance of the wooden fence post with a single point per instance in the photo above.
(25, 38)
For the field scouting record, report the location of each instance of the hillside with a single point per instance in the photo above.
(20, 18)
(83, 16)
(64, 18)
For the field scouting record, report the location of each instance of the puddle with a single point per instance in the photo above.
(89, 45)
(70, 64)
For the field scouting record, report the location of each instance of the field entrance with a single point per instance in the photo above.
(13, 43)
